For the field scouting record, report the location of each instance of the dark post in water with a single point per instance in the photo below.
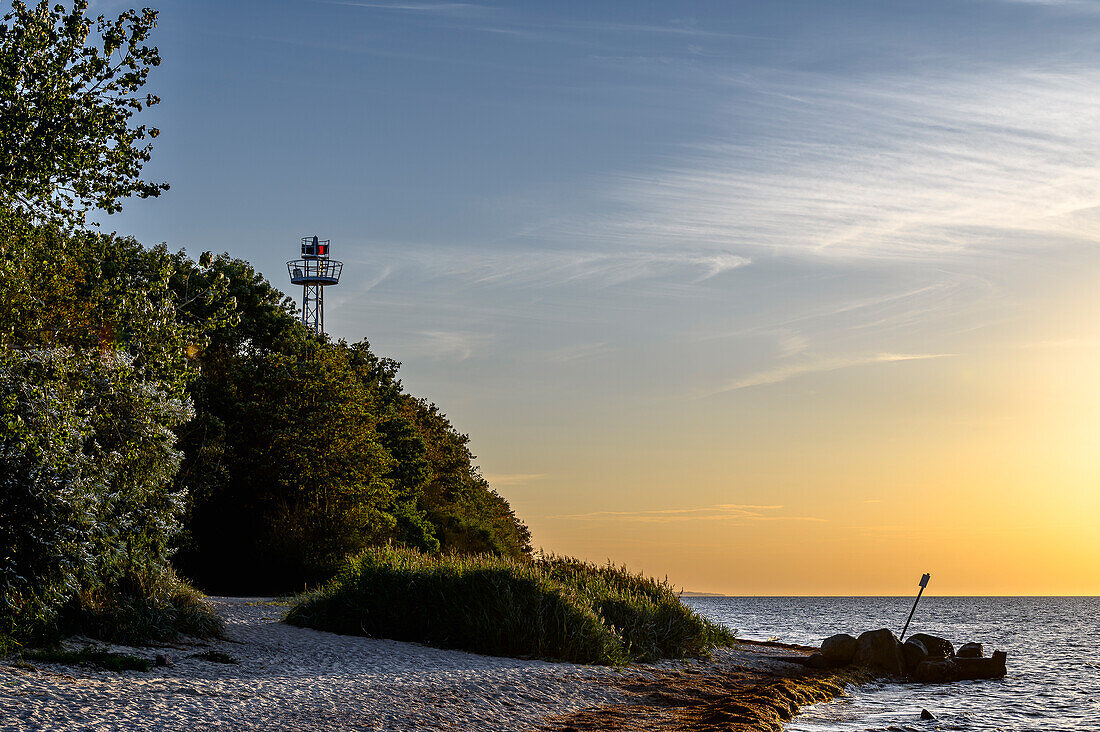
(923, 583)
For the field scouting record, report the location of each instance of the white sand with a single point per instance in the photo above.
(296, 679)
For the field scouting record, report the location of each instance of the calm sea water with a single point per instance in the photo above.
(1053, 681)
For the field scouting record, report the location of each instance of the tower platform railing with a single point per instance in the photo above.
(314, 271)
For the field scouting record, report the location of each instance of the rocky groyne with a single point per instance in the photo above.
(922, 657)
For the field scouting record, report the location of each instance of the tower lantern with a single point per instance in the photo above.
(314, 271)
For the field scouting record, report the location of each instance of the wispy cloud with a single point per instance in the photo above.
(735, 512)
(784, 372)
(580, 352)
(879, 167)
(444, 344)
(413, 7)
(1086, 4)
(549, 268)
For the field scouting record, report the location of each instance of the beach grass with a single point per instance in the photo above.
(141, 608)
(551, 607)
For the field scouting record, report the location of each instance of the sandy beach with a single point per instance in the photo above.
(290, 678)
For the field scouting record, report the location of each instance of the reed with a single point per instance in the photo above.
(550, 607)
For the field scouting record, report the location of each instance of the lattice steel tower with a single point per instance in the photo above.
(314, 271)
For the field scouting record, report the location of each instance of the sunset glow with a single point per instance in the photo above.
(768, 298)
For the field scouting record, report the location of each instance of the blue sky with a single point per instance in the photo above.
(653, 255)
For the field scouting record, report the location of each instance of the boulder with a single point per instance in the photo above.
(981, 668)
(970, 650)
(934, 672)
(818, 661)
(880, 650)
(839, 649)
(937, 647)
(925, 714)
(914, 653)
(959, 669)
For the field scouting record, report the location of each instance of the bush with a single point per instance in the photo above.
(140, 608)
(86, 460)
(647, 613)
(94, 356)
(553, 608)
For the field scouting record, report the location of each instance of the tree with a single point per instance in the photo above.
(67, 144)
(95, 352)
(303, 451)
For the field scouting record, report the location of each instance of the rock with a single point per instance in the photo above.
(934, 672)
(914, 653)
(959, 669)
(880, 650)
(817, 660)
(970, 650)
(925, 714)
(839, 649)
(164, 660)
(968, 667)
(937, 647)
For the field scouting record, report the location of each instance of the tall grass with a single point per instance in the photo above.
(141, 607)
(554, 607)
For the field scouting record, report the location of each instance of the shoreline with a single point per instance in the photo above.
(294, 678)
(749, 688)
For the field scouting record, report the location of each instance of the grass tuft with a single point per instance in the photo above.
(553, 607)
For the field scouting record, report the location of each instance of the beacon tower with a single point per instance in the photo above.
(314, 271)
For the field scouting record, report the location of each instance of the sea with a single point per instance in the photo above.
(1053, 681)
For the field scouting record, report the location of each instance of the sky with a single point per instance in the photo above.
(770, 298)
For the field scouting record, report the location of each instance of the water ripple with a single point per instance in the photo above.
(1053, 683)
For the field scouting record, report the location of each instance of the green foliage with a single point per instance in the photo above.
(552, 608)
(96, 293)
(647, 613)
(469, 517)
(66, 103)
(141, 607)
(48, 492)
(93, 363)
(304, 451)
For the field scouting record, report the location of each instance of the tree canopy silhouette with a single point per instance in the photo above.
(67, 99)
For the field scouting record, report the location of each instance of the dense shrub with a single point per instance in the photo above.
(552, 608)
(48, 494)
(141, 607)
(647, 613)
(93, 363)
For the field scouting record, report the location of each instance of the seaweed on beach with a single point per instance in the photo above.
(552, 607)
(218, 657)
